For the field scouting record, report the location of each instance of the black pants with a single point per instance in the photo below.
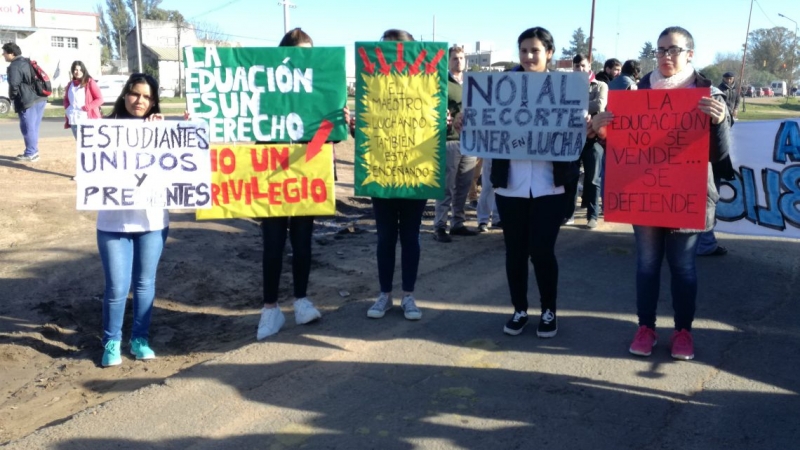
(530, 230)
(274, 230)
(592, 160)
(398, 217)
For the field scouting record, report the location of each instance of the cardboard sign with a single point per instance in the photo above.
(657, 158)
(525, 115)
(271, 180)
(764, 198)
(133, 164)
(275, 94)
(401, 127)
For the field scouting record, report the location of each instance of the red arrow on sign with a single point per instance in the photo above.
(320, 137)
(385, 68)
(431, 66)
(400, 64)
(413, 69)
(369, 66)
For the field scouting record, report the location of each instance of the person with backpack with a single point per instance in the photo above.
(27, 103)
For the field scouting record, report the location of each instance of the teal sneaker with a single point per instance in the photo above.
(141, 350)
(111, 355)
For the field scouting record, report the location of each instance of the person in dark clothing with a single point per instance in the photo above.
(611, 69)
(28, 105)
(731, 91)
(675, 71)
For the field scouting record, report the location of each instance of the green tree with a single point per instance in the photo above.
(119, 25)
(648, 51)
(475, 68)
(578, 44)
(770, 50)
(107, 50)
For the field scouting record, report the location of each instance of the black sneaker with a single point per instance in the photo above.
(462, 231)
(517, 322)
(441, 235)
(548, 325)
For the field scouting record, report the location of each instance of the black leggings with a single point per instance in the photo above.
(274, 230)
(530, 229)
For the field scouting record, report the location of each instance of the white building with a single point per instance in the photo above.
(161, 42)
(54, 38)
(485, 55)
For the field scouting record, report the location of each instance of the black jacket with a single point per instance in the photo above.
(20, 84)
(563, 171)
(602, 76)
(718, 151)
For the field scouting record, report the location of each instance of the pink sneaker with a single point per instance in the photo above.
(644, 341)
(682, 345)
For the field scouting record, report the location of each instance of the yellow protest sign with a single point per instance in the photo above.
(271, 180)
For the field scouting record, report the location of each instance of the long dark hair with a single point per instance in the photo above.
(120, 112)
(296, 37)
(85, 78)
(397, 35)
(681, 31)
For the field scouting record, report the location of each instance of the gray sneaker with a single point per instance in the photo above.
(26, 158)
(410, 310)
(382, 304)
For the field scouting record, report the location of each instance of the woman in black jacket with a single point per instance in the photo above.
(675, 52)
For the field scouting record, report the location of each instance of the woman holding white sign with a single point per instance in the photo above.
(531, 196)
(675, 71)
(130, 242)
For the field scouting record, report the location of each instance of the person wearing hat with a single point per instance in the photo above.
(731, 93)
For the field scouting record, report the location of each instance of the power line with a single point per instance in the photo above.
(765, 14)
(215, 9)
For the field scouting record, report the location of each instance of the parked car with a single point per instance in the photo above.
(5, 102)
(767, 92)
(111, 86)
(750, 91)
(779, 88)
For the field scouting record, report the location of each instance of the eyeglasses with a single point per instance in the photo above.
(672, 51)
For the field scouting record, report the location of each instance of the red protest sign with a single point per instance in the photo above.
(657, 158)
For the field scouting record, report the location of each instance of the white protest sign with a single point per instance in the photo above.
(133, 164)
(525, 115)
(764, 198)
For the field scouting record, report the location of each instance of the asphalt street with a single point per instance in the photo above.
(454, 380)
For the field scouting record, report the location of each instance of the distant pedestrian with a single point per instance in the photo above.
(83, 98)
(611, 69)
(27, 103)
(627, 78)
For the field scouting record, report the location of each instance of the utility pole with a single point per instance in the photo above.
(138, 35)
(286, 5)
(434, 28)
(794, 50)
(744, 58)
(179, 23)
(591, 35)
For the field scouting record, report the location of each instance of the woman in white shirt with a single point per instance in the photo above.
(82, 99)
(531, 198)
(130, 242)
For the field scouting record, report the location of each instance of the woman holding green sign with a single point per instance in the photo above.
(274, 230)
(130, 242)
(675, 71)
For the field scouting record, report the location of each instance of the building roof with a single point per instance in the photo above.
(163, 53)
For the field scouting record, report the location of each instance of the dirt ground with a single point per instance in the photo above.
(208, 292)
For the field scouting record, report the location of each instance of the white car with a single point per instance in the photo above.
(111, 86)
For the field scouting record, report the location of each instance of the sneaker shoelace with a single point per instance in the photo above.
(409, 304)
(381, 302)
(519, 315)
(548, 316)
(683, 339)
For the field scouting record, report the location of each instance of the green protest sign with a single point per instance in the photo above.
(401, 110)
(271, 94)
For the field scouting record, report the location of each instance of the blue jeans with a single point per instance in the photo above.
(29, 121)
(393, 217)
(707, 242)
(592, 159)
(652, 243)
(129, 257)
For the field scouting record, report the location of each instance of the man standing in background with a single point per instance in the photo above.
(728, 86)
(28, 105)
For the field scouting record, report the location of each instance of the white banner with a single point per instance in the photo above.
(764, 199)
(525, 115)
(133, 164)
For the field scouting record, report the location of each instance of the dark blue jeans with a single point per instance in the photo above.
(398, 217)
(592, 160)
(530, 230)
(29, 121)
(129, 258)
(274, 229)
(652, 244)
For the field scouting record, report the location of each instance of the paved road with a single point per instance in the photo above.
(454, 380)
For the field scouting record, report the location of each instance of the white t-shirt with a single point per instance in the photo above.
(77, 100)
(530, 179)
(133, 220)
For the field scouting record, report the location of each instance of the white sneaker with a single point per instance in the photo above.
(271, 322)
(382, 304)
(410, 309)
(304, 311)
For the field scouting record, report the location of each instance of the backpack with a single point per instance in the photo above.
(41, 82)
